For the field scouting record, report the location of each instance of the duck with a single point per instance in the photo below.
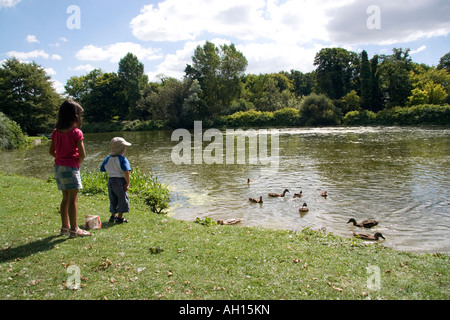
(298, 194)
(364, 224)
(366, 236)
(229, 221)
(279, 194)
(324, 194)
(249, 180)
(256, 200)
(304, 208)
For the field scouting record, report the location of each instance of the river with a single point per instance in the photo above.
(398, 175)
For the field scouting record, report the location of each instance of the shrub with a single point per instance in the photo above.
(286, 117)
(251, 118)
(425, 114)
(11, 136)
(363, 117)
(317, 110)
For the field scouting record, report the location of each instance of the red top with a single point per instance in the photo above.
(66, 147)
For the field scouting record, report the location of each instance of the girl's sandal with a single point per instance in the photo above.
(79, 233)
(64, 232)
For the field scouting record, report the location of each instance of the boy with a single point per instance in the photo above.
(118, 169)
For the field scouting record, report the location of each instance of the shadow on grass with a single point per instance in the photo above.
(31, 248)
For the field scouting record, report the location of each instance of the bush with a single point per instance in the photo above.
(286, 117)
(154, 194)
(11, 136)
(318, 110)
(425, 114)
(249, 118)
(363, 117)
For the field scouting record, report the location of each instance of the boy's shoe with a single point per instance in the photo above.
(121, 220)
(113, 218)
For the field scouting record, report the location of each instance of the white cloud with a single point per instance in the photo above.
(31, 39)
(83, 68)
(116, 51)
(8, 3)
(28, 55)
(262, 58)
(174, 64)
(50, 71)
(174, 20)
(401, 21)
(420, 49)
(264, 20)
(59, 87)
(56, 57)
(275, 57)
(340, 22)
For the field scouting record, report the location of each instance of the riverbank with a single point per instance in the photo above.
(159, 258)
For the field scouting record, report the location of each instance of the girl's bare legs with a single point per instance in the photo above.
(69, 209)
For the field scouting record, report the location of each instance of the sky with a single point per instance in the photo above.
(71, 38)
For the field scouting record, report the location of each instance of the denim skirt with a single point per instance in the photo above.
(67, 178)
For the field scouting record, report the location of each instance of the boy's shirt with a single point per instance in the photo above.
(115, 166)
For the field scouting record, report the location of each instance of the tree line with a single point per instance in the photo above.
(216, 86)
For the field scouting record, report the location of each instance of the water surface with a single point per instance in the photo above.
(397, 175)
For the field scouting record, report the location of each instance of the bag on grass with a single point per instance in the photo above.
(92, 222)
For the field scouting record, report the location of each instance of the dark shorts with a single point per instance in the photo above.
(118, 198)
(67, 178)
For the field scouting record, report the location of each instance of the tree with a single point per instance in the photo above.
(394, 77)
(232, 67)
(366, 86)
(218, 71)
(351, 102)
(105, 98)
(318, 110)
(133, 79)
(173, 101)
(431, 86)
(336, 72)
(303, 82)
(100, 94)
(27, 96)
(444, 63)
(376, 94)
(206, 69)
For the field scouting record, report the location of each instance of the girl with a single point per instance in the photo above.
(68, 150)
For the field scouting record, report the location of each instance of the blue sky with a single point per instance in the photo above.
(274, 35)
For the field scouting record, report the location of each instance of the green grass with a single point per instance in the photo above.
(157, 257)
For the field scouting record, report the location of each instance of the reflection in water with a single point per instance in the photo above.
(397, 175)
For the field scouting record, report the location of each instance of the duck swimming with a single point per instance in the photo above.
(324, 194)
(364, 224)
(256, 200)
(279, 194)
(366, 236)
(298, 194)
(249, 180)
(304, 208)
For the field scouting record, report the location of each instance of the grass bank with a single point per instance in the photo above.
(157, 257)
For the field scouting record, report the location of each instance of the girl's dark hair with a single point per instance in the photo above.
(69, 112)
